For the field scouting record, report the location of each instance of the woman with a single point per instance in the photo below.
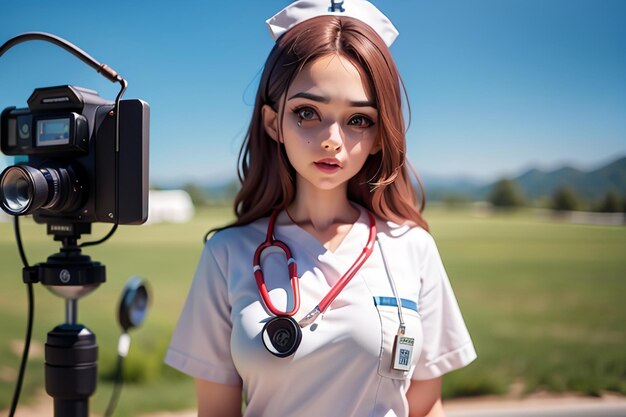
(345, 310)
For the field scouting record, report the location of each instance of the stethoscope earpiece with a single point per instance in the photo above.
(281, 336)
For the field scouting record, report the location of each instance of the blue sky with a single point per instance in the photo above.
(495, 86)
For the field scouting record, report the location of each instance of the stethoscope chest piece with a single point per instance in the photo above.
(281, 336)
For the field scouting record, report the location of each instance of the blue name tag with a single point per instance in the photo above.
(393, 302)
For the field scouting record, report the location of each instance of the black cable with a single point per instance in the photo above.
(108, 72)
(29, 326)
(18, 240)
(117, 387)
(124, 84)
(123, 346)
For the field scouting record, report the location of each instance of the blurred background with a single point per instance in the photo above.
(517, 130)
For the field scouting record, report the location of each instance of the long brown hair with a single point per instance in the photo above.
(383, 184)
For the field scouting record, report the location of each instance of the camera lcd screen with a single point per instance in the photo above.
(53, 132)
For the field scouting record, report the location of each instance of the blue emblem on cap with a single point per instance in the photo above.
(336, 6)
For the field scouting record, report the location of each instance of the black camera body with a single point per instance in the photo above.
(72, 160)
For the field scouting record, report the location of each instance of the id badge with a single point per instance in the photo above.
(403, 352)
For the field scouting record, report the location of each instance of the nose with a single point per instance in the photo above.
(334, 139)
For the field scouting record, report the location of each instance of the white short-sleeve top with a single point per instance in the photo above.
(343, 366)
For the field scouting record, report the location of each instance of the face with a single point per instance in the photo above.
(329, 126)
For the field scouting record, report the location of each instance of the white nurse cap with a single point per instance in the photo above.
(302, 10)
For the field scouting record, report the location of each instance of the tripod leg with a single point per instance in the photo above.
(71, 369)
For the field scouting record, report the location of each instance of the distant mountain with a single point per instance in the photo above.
(591, 185)
(536, 184)
(439, 188)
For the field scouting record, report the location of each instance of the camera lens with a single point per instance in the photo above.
(24, 189)
(16, 195)
(18, 189)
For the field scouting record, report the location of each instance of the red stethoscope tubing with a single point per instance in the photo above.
(293, 270)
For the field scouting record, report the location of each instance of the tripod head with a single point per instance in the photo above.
(68, 273)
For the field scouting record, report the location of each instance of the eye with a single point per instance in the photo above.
(361, 121)
(306, 114)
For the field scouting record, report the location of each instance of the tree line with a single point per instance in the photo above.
(506, 193)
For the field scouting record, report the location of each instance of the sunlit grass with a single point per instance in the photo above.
(543, 301)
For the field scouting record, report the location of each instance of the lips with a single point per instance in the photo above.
(328, 165)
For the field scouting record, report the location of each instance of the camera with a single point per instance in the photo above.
(70, 166)
(79, 159)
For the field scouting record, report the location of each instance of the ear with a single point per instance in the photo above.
(270, 122)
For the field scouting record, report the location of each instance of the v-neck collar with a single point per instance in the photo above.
(332, 264)
(355, 237)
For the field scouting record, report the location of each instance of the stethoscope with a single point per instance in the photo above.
(282, 334)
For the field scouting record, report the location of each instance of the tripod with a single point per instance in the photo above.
(71, 351)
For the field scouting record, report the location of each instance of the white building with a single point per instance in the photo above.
(170, 206)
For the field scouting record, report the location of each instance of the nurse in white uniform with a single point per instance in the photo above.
(327, 296)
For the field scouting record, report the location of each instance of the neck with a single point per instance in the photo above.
(322, 209)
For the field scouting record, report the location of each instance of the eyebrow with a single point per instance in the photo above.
(326, 100)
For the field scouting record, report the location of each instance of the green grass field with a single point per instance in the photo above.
(543, 301)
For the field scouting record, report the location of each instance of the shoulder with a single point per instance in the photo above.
(416, 237)
(236, 239)
(405, 232)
